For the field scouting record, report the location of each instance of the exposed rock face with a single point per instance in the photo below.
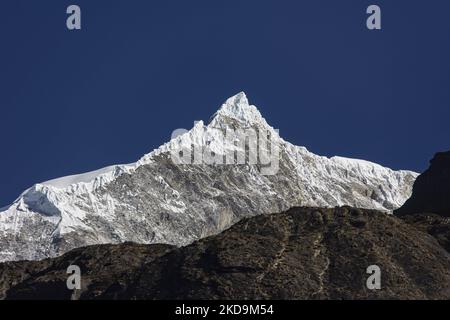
(107, 270)
(435, 225)
(431, 191)
(156, 200)
(429, 206)
(304, 253)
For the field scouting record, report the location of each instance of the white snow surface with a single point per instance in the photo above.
(64, 182)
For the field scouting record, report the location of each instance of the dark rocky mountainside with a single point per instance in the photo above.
(304, 253)
(429, 206)
(431, 190)
(105, 268)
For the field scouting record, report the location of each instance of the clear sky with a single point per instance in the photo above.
(76, 101)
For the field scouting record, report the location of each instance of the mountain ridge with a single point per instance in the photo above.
(431, 190)
(303, 253)
(156, 200)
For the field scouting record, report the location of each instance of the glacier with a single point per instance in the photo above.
(156, 200)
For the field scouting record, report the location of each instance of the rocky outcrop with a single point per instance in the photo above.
(435, 225)
(431, 190)
(429, 206)
(303, 253)
(107, 271)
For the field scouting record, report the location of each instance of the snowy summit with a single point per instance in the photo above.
(154, 200)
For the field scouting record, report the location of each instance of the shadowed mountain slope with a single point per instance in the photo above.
(303, 253)
(429, 206)
(431, 190)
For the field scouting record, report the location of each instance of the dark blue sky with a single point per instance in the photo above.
(72, 102)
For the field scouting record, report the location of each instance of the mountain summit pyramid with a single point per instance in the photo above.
(157, 200)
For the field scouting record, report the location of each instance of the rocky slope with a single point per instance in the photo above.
(157, 200)
(304, 253)
(429, 206)
(435, 225)
(431, 191)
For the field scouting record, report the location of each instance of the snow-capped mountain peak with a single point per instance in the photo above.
(157, 200)
(237, 109)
